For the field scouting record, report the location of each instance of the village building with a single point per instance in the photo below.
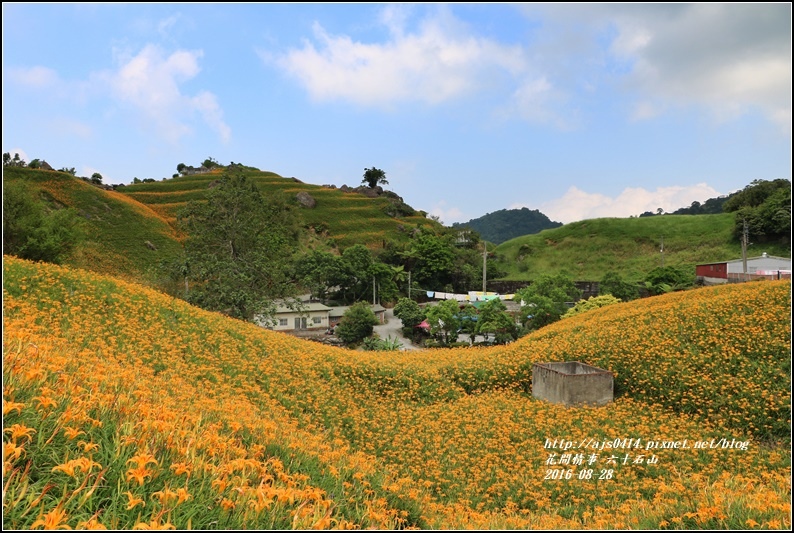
(761, 267)
(312, 317)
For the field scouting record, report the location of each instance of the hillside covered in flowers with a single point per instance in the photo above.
(125, 408)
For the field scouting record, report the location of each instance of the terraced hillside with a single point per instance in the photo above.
(117, 228)
(189, 419)
(347, 218)
(631, 246)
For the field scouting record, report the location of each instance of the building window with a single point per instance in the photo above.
(282, 321)
(317, 320)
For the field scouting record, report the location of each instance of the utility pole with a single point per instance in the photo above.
(484, 255)
(745, 233)
(661, 251)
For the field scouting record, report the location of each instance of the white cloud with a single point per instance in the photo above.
(166, 26)
(446, 215)
(536, 100)
(437, 62)
(644, 111)
(577, 204)
(150, 82)
(69, 127)
(206, 103)
(728, 58)
(36, 77)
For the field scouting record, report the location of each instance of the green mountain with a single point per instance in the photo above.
(506, 224)
(587, 249)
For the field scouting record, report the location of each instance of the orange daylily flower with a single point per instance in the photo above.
(19, 430)
(133, 501)
(139, 474)
(52, 520)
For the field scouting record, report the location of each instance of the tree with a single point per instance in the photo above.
(356, 279)
(181, 167)
(444, 321)
(434, 261)
(96, 178)
(15, 162)
(374, 176)
(31, 231)
(319, 272)
(669, 278)
(36, 163)
(210, 163)
(612, 283)
(239, 249)
(765, 206)
(356, 324)
(409, 312)
(68, 170)
(495, 319)
(545, 301)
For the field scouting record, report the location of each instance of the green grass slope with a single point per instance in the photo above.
(116, 227)
(347, 218)
(631, 246)
(215, 423)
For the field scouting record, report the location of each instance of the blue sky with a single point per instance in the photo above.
(579, 110)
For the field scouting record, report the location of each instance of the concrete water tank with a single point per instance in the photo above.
(572, 383)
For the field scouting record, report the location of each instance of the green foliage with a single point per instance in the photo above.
(444, 320)
(669, 278)
(469, 321)
(766, 208)
(506, 224)
(382, 345)
(36, 163)
(545, 301)
(433, 259)
(374, 177)
(239, 249)
(210, 163)
(755, 194)
(356, 324)
(356, 273)
(594, 302)
(8, 161)
(318, 271)
(613, 283)
(32, 231)
(96, 178)
(494, 319)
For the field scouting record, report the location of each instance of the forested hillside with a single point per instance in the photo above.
(506, 224)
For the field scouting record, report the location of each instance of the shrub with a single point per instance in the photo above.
(383, 345)
(356, 324)
(31, 231)
(594, 302)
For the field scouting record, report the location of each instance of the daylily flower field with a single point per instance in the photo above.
(124, 408)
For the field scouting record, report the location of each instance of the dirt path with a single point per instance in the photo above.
(393, 328)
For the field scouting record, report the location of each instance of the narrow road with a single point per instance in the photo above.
(393, 327)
